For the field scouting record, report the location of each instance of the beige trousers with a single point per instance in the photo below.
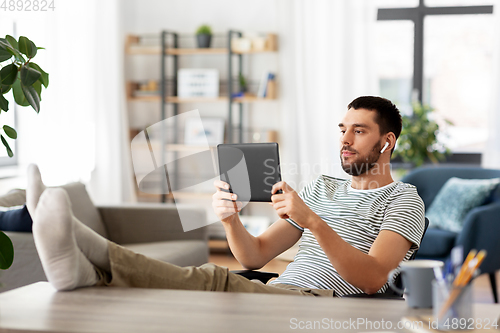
(130, 269)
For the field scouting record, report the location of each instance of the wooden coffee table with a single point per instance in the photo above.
(39, 308)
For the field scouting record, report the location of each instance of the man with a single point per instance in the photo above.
(353, 232)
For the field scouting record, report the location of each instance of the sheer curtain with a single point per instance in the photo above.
(79, 133)
(491, 156)
(325, 63)
(112, 178)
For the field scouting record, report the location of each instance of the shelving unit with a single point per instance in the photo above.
(169, 47)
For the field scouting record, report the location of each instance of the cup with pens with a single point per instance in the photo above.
(452, 292)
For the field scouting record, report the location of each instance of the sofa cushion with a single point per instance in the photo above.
(456, 198)
(181, 253)
(16, 197)
(14, 215)
(83, 208)
(437, 243)
(81, 204)
(17, 219)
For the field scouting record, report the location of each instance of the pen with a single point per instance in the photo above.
(438, 274)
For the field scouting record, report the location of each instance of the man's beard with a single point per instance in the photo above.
(362, 164)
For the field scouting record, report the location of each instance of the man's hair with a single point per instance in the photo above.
(388, 116)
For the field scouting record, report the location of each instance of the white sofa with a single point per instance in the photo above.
(154, 230)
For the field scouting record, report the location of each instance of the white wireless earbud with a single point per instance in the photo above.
(385, 147)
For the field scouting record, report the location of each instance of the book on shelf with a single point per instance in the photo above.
(264, 85)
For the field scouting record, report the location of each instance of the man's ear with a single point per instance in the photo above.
(391, 139)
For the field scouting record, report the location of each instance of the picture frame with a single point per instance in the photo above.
(211, 128)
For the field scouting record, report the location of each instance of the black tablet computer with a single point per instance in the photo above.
(251, 169)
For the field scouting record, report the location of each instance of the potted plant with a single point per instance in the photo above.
(418, 141)
(243, 83)
(25, 78)
(204, 36)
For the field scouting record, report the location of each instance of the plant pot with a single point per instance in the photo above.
(204, 40)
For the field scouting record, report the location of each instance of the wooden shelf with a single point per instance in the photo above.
(156, 50)
(155, 145)
(151, 91)
(172, 51)
(190, 148)
(132, 46)
(252, 99)
(178, 100)
(181, 100)
(152, 98)
(192, 195)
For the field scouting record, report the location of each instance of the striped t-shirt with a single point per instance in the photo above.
(357, 216)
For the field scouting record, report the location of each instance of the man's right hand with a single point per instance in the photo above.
(224, 203)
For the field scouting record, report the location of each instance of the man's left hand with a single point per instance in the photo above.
(289, 205)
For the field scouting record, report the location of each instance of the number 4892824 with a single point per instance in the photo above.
(27, 5)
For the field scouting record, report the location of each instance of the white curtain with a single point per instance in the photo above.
(79, 134)
(112, 178)
(325, 63)
(491, 156)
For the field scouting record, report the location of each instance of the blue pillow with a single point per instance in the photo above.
(455, 199)
(16, 219)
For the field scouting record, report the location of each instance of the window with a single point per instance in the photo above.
(458, 67)
(394, 61)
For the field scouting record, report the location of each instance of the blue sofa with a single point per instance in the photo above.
(482, 224)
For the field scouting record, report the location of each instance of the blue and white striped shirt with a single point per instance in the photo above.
(357, 216)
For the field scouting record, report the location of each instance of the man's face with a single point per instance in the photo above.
(360, 141)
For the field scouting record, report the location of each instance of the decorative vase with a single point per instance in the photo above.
(204, 40)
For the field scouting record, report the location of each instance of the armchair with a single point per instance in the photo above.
(482, 224)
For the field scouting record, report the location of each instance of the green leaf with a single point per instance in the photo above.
(6, 251)
(4, 104)
(27, 47)
(4, 88)
(32, 97)
(19, 57)
(44, 79)
(6, 48)
(4, 44)
(29, 75)
(19, 97)
(8, 74)
(4, 55)
(9, 151)
(38, 88)
(12, 41)
(11, 133)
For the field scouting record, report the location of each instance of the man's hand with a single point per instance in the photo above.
(224, 203)
(289, 205)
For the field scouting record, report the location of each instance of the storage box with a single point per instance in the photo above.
(198, 83)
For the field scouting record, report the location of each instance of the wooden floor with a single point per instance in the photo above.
(481, 285)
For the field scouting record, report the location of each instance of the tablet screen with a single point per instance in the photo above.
(251, 169)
